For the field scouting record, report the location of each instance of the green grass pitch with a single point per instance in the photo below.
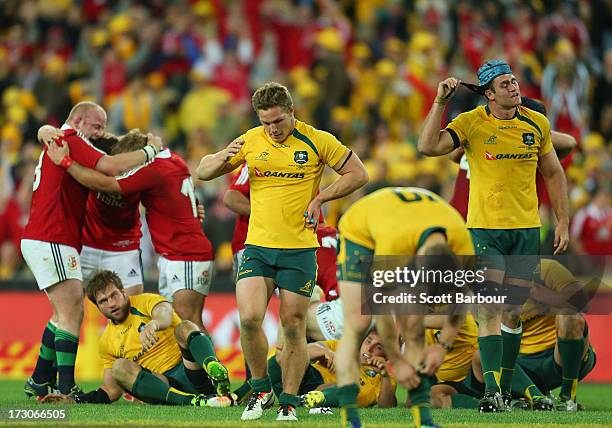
(596, 398)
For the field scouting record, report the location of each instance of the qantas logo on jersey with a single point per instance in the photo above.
(520, 156)
(278, 174)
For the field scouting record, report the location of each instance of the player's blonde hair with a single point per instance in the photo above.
(100, 281)
(270, 95)
(133, 140)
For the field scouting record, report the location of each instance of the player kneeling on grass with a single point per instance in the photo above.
(148, 351)
(318, 387)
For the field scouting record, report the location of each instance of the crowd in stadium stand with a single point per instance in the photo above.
(364, 70)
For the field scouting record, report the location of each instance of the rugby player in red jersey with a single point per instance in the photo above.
(186, 258)
(52, 240)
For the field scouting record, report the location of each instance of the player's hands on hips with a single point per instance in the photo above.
(311, 215)
(57, 399)
(56, 152)
(561, 238)
(433, 357)
(446, 89)
(148, 335)
(233, 148)
(48, 133)
(405, 374)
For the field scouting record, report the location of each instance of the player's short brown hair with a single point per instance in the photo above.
(100, 281)
(270, 95)
(133, 140)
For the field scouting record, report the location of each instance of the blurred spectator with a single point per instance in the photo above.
(136, 107)
(565, 83)
(591, 231)
(601, 119)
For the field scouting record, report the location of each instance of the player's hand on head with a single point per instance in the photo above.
(447, 88)
(48, 133)
(561, 238)
(57, 399)
(233, 148)
(56, 152)
(148, 335)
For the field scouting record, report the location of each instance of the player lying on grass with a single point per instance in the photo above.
(555, 351)
(148, 351)
(318, 387)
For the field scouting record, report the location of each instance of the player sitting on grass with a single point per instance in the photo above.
(318, 387)
(148, 351)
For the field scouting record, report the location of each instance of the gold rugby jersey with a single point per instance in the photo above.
(397, 220)
(123, 340)
(503, 157)
(284, 179)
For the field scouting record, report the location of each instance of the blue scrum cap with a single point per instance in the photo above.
(491, 69)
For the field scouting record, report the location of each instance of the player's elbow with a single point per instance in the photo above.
(426, 148)
(203, 172)
(361, 176)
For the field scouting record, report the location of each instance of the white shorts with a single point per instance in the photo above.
(175, 275)
(236, 264)
(126, 264)
(50, 262)
(331, 319)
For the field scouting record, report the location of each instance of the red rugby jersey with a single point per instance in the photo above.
(57, 212)
(167, 194)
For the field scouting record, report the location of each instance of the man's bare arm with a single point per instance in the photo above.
(554, 177)
(353, 175)
(563, 143)
(237, 202)
(432, 140)
(118, 164)
(88, 177)
(213, 166)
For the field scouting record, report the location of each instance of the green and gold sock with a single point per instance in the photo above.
(511, 339)
(570, 351)
(421, 404)
(347, 400)
(490, 357)
(201, 347)
(150, 388)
